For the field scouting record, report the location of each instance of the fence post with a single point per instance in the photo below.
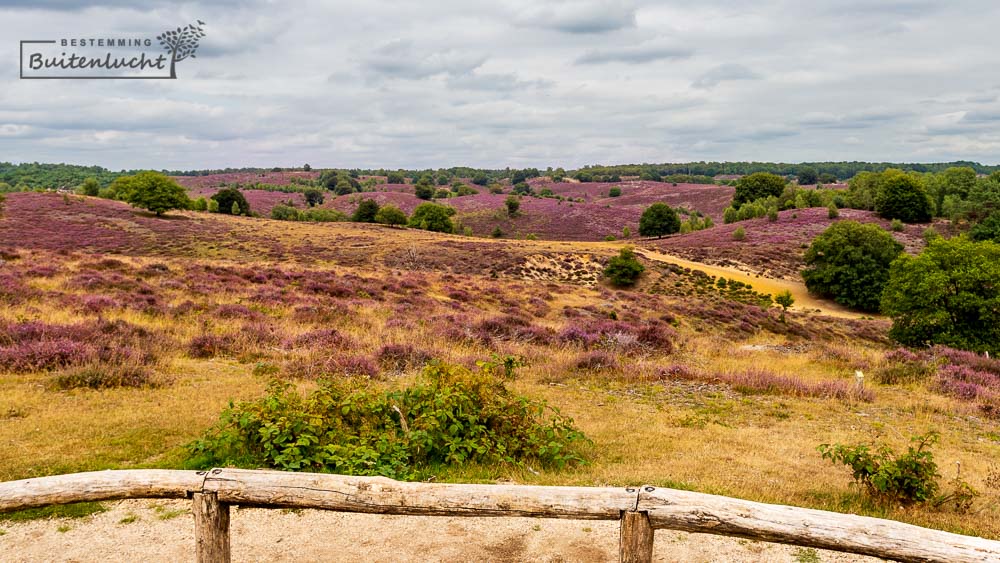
(636, 544)
(211, 528)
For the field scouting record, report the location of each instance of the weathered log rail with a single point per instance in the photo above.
(641, 510)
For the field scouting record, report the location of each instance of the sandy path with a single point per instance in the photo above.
(279, 535)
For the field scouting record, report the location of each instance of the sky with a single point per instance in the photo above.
(525, 83)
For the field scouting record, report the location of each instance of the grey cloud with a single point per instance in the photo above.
(588, 16)
(723, 73)
(493, 82)
(400, 59)
(636, 54)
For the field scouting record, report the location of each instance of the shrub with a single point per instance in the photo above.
(104, 377)
(213, 206)
(896, 226)
(849, 262)
(731, 215)
(395, 178)
(200, 204)
(423, 190)
(988, 229)
(756, 186)
(497, 233)
(366, 211)
(596, 361)
(906, 478)
(318, 215)
(659, 219)
(226, 198)
(284, 213)
(832, 212)
(624, 269)
(513, 204)
(313, 197)
(450, 417)
(391, 215)
(947, 295)
(615, 192)
(399, 357)
(433, 217)
(739, 234)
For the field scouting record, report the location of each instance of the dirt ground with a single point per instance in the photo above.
(148, 531)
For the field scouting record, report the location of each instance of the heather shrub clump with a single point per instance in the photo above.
(451, 416)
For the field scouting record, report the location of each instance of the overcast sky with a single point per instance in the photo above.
(516, 83)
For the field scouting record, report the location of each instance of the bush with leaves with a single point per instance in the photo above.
(757, 186)
(905, 478)
(849, 262)
(902, 196)
(313, 196)
(366, 211)
(451, 416)
(391, 215)
(152, 191)
(659, 219)
(433, 217)
(227, 197)
(947, 295)
(284, 213)
(624, 269)
(987, 229)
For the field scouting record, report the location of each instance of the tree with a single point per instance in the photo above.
(480, 179)
(90, 187)
(615, 192)
(756, 186)
(424, 190)
(366, 211)
(947, 295)
(155, 192)
(306, 167)
(988, 229)
(395, 178)
(657, 220)
(313, 196)
(199, 204)
(785, 300)
(390, 215)
(226, 197)
(344, 186)
(235, 209)
(181, 43)
(433, 217)
(213, 206)
(624, 269)
(902, 197)
(849, 262)
(808, 177)
(513, 204)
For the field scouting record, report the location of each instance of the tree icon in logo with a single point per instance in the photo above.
(181, 43)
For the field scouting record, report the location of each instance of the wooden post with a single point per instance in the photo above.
(211, 528)
(636, 538)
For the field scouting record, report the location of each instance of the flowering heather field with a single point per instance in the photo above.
(216, 180)
(112, 321)
(776, 248)
(593, 219)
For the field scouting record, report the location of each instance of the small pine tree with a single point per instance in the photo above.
(772, 214)
(786, 300)
(832, 212)
(624, 269)
(626, 232)
(730, 215)
(213, 206)
(739, 234)
(235, 209)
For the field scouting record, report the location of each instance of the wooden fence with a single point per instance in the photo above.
(641, 510)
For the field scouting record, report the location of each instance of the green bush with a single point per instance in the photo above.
(659, 219)
(366, 211)
(227, 197)
(152, 191)
(947, 295)
(513, 204)
(450, 416)
(284, 213)
(318, 215)
(907, 478)
(988, 229)
(757, 186)
(849, 262)
(739, 234)
(901, 196)
(391, 215)
(615, 192)
(433, 217)
(624, 269)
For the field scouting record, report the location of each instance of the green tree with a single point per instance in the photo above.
(90, 187)
(902, 197)
(808, 176)
(987, 229)
(306, 167)
(226, 197)
(785, 300)
(615, 192)
(513, 204)
(433, 217)
(756, 186)
(213, 206)
(659, 219)
(366, 211)
(313, 197)
(396, 178)
(947, 295)
(199, 204)
(284, 213)
(390, 215)
(423, 190)
(155, 192)
(624, 269)
(849, 262)
(730, 215)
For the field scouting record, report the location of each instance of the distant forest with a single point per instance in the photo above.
(17, 177)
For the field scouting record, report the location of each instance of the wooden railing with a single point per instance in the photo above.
(641, 510)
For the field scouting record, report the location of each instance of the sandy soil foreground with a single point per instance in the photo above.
(146, 530)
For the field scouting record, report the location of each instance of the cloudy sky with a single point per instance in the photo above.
(516, 83)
